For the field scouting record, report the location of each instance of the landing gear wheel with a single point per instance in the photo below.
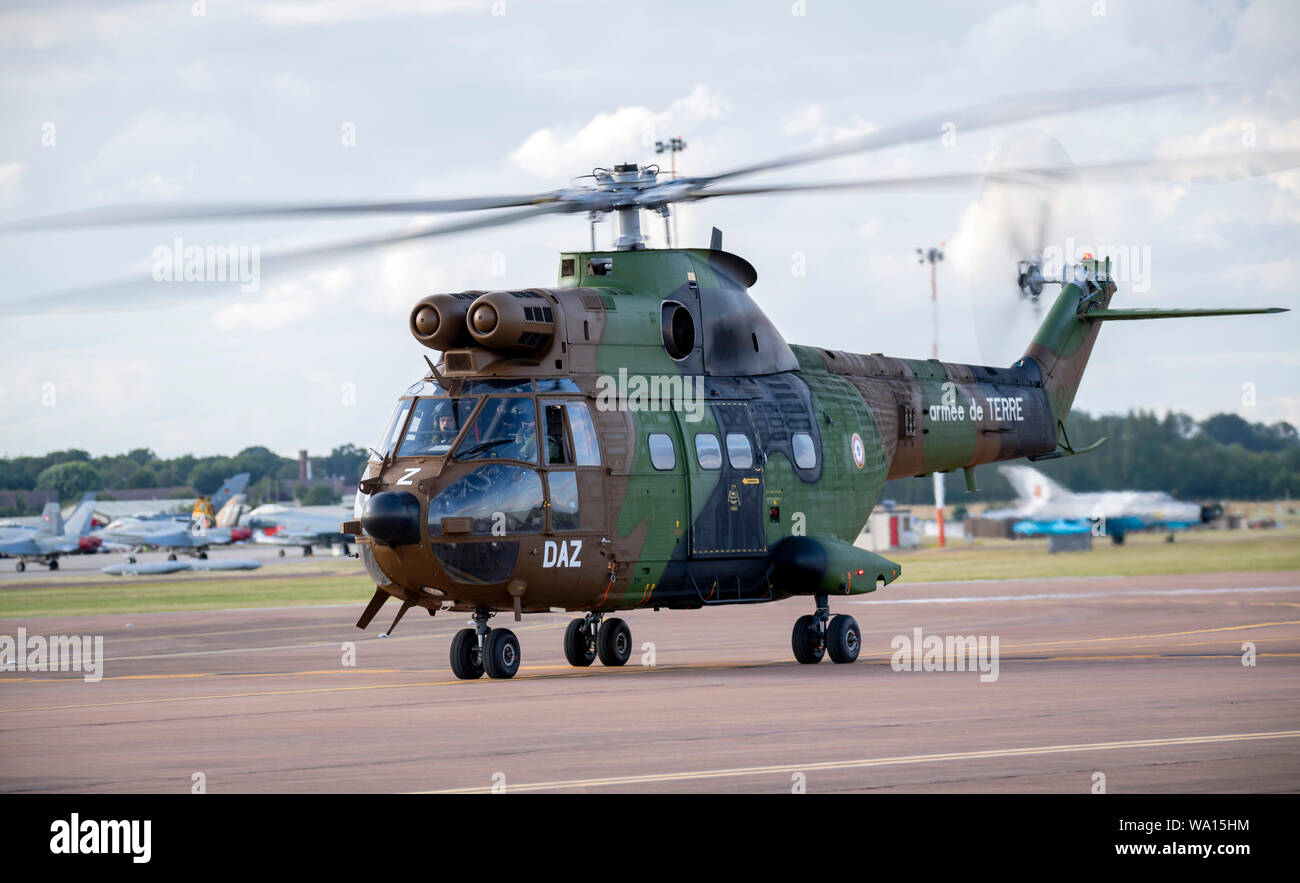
(282, 553)
(614, 642)
(171, 556)
(466, 662)
(807, 649)
(203, 556)
(306, 551)
(501, 653)
(54, 565)
(577, 644)
(22, 565)
(843, 639)
(1117, 539)
(130, 559)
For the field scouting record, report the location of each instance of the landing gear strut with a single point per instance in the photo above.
(482, 649)
(815, 634)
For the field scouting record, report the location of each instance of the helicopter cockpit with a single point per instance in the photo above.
(506, 455)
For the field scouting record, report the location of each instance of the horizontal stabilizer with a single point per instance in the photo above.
(1107, 315)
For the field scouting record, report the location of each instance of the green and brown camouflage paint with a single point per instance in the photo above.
(687, 536)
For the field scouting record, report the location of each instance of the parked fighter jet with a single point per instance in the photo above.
(54, 536)
(304, 526)
(1045, 507)
(192, 535)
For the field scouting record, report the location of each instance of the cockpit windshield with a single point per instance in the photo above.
(434, 425)
(506, 428)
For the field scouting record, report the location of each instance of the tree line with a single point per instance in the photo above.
(271, 477)
(1223, 457)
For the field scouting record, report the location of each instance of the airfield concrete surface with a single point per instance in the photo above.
(1140, 679)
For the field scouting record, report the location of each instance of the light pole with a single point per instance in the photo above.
(672, 146)
(933, 255)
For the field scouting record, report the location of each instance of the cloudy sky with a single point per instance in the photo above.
(372, 99)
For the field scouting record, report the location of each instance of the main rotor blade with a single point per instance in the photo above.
(113, 215)
(138, 292)
(1223, 166)
(1012, 109)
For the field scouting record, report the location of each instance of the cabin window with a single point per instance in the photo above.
(708, 453)
(739, 452)
(662, 455)
(805, 452)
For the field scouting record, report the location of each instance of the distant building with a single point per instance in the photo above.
(892, 529)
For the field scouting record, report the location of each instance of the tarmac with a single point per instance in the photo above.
(1134, 684)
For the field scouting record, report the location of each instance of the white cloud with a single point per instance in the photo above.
(317, 12)
(10, 173)
(807, 119)
(628, 133)
(54, 24)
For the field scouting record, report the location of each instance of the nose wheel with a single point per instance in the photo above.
(816, 634)
(479, 650)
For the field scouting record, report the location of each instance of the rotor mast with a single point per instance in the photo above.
(629, 179)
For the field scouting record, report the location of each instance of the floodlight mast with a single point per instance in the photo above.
(672, 146)
(933, 255)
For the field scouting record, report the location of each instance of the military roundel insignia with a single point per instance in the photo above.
(859, 450)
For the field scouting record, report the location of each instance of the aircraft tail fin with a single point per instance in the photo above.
(51, 521)
(1065, 339)
(78, 523)
(1033, 488)
(229, 514)
(231, 486)
(1063, 343)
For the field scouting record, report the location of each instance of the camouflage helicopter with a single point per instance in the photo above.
(640, 435)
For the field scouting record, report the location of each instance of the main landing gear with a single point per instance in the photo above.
(589, 637)
(817, 633)
(482, 649)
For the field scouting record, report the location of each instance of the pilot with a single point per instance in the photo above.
(517, 423)
(445, 433)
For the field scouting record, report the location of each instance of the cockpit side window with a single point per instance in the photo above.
(578, 446)
(434, 425)
(556, 443)
(585, 446)
(385, 446)
(505, 428)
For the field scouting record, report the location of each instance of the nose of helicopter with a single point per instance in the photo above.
(393, 518)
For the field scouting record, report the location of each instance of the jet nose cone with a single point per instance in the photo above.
(392, 517)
